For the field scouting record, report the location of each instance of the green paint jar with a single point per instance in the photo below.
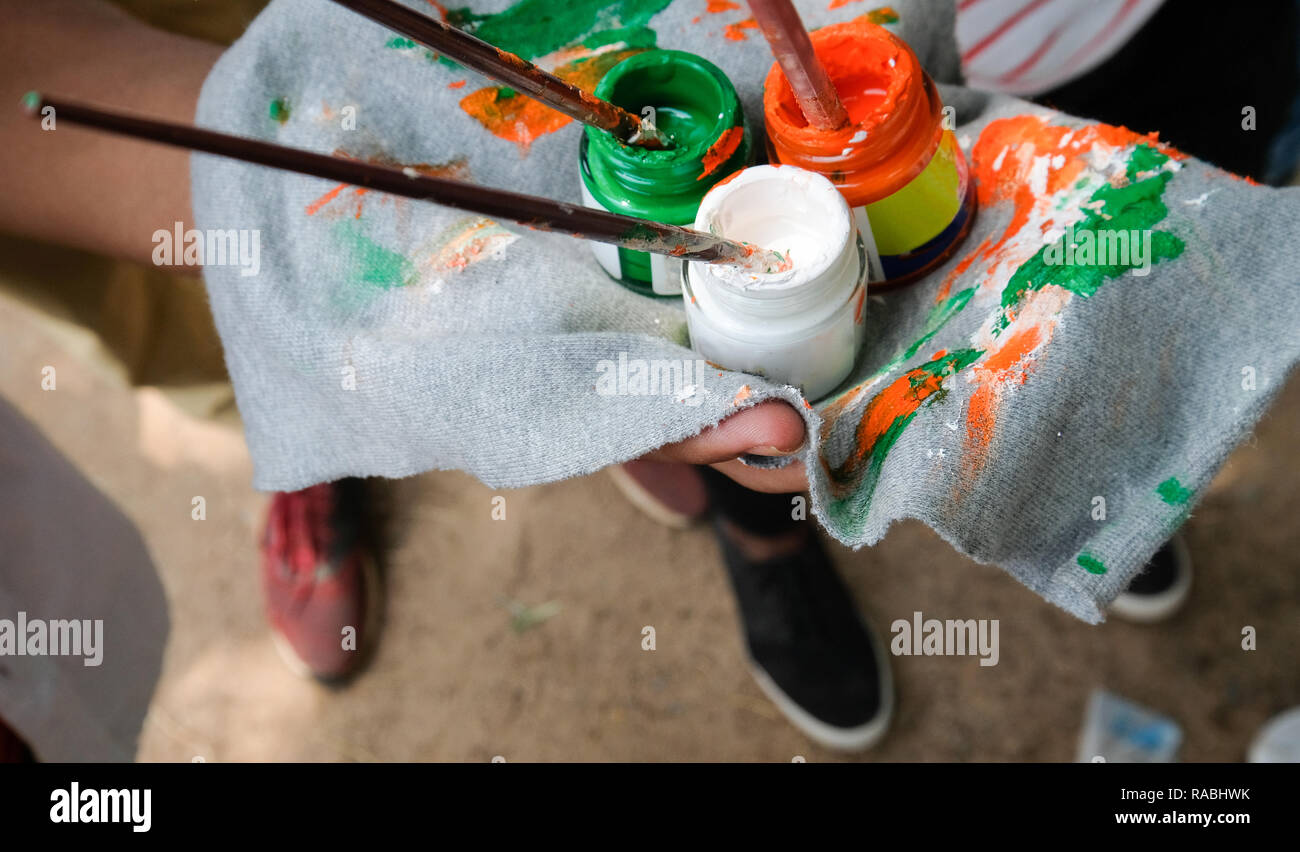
(696, 106)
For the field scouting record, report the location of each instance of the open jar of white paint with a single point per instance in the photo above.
(801, 326)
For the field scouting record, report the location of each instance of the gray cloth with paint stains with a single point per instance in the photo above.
(386, 337)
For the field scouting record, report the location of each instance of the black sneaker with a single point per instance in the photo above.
(1158, 592)
(809, 648)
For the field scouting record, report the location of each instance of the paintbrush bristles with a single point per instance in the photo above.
(514, 71)
(542, 214)
(813, 89)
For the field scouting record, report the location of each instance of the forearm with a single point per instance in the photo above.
(80, 187)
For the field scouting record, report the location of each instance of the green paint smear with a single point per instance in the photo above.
(533, 28)
(32, 100)
(399, 43)
(934, 321)
(1173, 492)
(639, 232)
(371, 263)
(279, 110)
(1134, 207)
(852, 510)
(1091, 564)
(629, 36)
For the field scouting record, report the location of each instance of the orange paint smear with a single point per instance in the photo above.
(717, 6)
(1006, 364)
(729, 178)
(945, 289)
(1027, 137)
(721, 150)
(883, 15)
(459, 84)
(479, 240)
(315, 206)
(522, 120)
(736, 31)
(741, 395)
(457, 169)
(901, 398)
(1024, 139)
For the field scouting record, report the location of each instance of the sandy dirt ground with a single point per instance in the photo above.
(453, 681)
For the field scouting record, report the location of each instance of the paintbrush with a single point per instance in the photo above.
(541, 214)
(516, 72)
(812, 87)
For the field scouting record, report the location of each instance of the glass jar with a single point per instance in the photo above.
(803, 327)
(896, 162)
(696, 106)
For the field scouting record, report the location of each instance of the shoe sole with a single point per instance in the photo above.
(646, 502)
(1149, 609)
(371, 585)
(846, 740)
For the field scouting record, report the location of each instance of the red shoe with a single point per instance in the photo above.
(671, 493)
(320, 579)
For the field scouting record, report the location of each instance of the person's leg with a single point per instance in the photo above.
(810, 649)
(670, 493)
(71, 556)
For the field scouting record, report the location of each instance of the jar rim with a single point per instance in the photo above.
(888, 143)
(707, 83)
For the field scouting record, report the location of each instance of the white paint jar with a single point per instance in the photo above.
(801, 326)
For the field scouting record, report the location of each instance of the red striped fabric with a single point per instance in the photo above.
(1029, 46)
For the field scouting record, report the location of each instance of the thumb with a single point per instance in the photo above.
(769, 428)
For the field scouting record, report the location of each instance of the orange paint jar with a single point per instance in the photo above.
(896, 162)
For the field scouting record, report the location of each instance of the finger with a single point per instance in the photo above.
(769, 428)
(779, 481)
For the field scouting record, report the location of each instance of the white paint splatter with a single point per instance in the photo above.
(1038, 176)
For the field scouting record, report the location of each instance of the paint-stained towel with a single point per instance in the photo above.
(1057, 420)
